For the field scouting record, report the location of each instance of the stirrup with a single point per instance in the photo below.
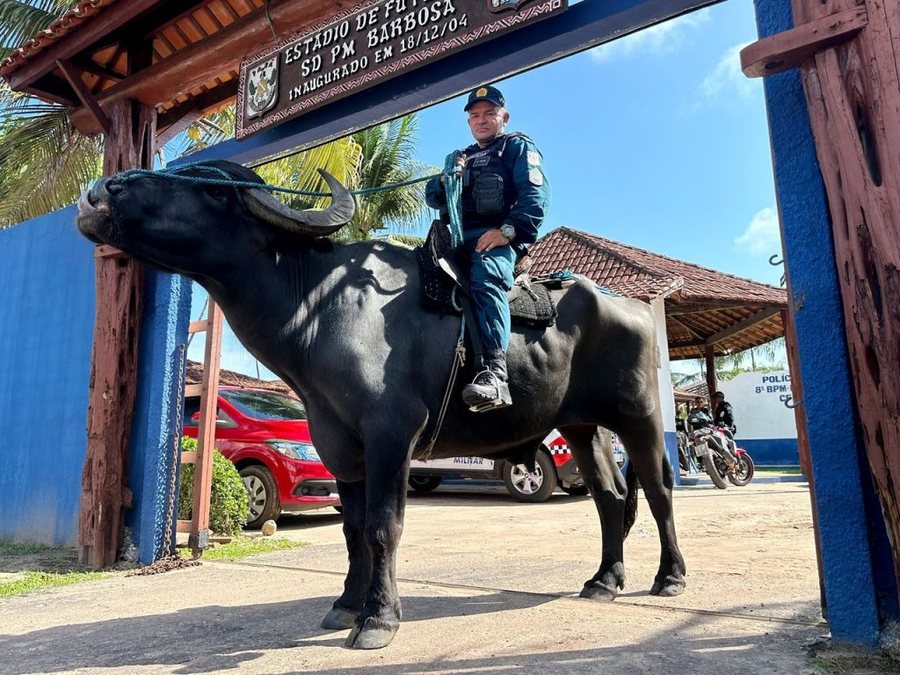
(501, 398)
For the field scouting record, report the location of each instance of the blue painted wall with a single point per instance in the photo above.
(46, 339)
(771, 451)
(859, 595)
(46, 333)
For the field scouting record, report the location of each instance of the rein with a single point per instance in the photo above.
(227, 181)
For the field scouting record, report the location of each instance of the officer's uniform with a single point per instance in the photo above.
(503, 185)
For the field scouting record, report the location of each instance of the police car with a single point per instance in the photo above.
(554, 467)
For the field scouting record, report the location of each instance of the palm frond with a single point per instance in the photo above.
(23, 19)
(44, 164)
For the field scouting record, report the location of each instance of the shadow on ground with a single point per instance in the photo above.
(217, 638)
(42, 560)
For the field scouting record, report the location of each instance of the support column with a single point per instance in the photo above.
(848, 542)
(853, 95)
(130, 144)
(711, 382)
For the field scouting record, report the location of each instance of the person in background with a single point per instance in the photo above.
(724, 415)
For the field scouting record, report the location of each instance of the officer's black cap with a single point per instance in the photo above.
(485, 93)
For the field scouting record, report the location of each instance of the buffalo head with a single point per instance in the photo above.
(188, 226)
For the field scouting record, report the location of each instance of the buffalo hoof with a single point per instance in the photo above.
(594, 590)
(339, 619)
(370, 637)
(668, 587)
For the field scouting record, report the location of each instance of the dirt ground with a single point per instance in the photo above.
(748, 550)
(488, 586)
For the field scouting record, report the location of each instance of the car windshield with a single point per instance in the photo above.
(265, 405)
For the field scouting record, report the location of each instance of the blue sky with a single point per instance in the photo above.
(655, 140)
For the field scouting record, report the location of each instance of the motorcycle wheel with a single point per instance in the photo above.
(713, 472)
(743, 471)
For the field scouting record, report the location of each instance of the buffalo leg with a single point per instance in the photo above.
(646, 450)
(592, 450)
(359, 575)
(387, 470)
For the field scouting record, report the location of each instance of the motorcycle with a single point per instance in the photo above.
(714, 448)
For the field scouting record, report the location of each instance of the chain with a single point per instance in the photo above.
(171, 560)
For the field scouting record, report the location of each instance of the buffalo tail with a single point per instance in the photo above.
(631, 498)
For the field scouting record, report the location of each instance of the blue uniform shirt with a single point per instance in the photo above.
(526, 191)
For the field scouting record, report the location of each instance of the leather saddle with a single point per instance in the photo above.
(445, 285)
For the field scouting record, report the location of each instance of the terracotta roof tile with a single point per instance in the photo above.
(229, 378)
(637, 273)
(80, 13)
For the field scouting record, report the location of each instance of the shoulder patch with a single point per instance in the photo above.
(535, 177)
(534, 158)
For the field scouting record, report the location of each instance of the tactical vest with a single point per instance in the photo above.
(488, 191)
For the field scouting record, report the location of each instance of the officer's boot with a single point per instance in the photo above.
(489, 390)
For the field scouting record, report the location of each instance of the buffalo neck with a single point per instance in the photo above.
(288, 298)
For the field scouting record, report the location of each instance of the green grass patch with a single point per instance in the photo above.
(777, 469)
(10, 548)
(243, 546)
(32, 581)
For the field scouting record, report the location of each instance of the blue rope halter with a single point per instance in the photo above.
(227, 181)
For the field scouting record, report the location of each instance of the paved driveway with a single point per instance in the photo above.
(487, 588)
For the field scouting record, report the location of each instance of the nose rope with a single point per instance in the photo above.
(227, 181)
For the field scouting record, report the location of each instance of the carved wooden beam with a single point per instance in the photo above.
(73, 77)
(740, 326)
(790, 49)
(201, 62)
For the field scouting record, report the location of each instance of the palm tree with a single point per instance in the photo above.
(387, 158)
(44, 161)
(21, 19)
(378, 156)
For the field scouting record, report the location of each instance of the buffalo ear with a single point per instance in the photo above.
(319, 223)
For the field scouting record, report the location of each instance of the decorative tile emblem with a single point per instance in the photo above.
(501, 5)
(262, 87)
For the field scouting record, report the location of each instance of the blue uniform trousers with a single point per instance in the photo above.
(491, 279)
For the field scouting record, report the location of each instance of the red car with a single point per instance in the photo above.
(265, 434)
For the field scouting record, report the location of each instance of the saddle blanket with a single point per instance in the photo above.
(530, 303)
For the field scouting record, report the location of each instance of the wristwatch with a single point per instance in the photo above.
(508, 231)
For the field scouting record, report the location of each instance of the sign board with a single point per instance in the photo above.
(367, 45)
(758, 400)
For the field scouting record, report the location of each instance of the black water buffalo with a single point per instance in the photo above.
(343, 325)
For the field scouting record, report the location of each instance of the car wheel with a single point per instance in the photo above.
(262, 495)
(528, 486)
(424, 483)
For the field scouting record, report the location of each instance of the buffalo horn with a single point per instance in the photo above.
(310, 221)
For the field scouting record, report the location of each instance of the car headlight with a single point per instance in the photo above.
(302, 451)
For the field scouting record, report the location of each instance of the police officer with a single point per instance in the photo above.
(724, 412)
(505, 196)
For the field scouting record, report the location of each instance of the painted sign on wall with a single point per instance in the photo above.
(368, 45)
(758, 402)
(765, 427)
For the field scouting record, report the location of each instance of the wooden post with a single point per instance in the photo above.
(113, 385)
(711, 383)
(209, 407)
(853, 96)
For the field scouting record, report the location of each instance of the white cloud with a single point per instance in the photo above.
(663, 38)
(761, 235)
(726, 76)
